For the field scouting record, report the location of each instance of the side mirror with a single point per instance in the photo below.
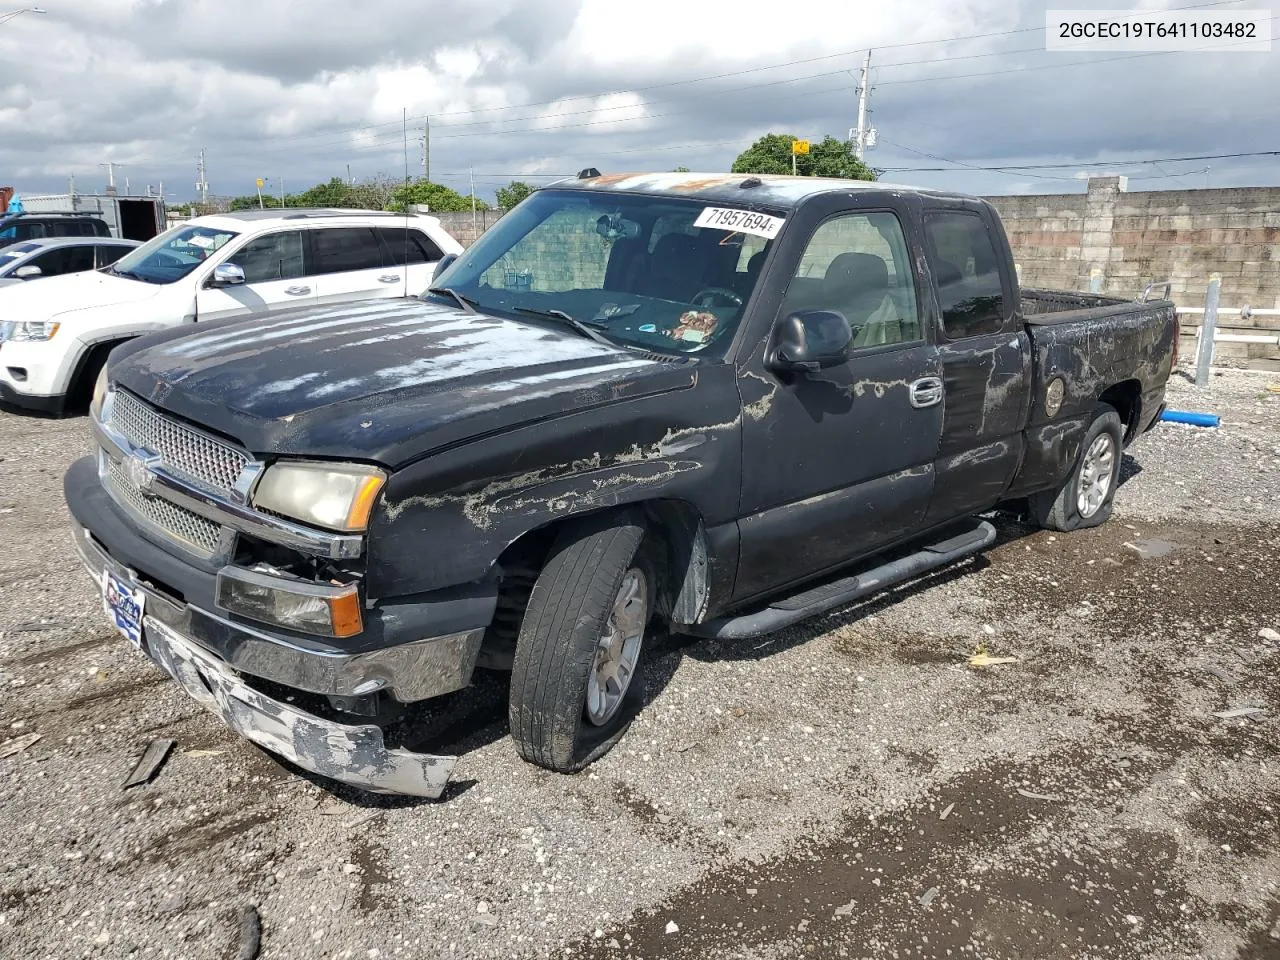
(226, 275)
(27, 272)
(809, 340)
(443, 264)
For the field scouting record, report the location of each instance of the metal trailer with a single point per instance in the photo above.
(128, 218)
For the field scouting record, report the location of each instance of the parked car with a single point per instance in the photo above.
(52, 258)
(715, 403)
(55, 336)
(17, 227)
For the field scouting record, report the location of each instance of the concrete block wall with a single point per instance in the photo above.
(1133, 238)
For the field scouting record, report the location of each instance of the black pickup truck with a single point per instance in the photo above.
(711, 404)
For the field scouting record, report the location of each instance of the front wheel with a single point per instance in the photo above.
(575, 684)
(1085, 497)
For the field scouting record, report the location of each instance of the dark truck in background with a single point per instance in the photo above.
(715, 403)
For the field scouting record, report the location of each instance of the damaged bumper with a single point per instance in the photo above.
(353, 754)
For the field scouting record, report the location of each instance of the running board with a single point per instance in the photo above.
(828, 596)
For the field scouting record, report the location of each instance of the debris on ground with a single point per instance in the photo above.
(672, 927)
(1221, 673)
(250, 934)
(1039, 796)
(847, 909)
(1238, 712)
(1267, 635)
(981, 658)
(18, 744)
(946, 811)
(150, 762)
(927, 897)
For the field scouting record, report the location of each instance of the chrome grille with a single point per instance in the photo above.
(178, 522)
(187, 452)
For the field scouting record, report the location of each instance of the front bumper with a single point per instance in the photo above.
(353, 754)
(414, 648)
(39, 387)
(28, 401)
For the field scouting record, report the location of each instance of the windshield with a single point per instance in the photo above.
(653, 272)
(15, 252)
(172, 255)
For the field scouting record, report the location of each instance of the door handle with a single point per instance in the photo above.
(926, 392)
(297, 291)
(388, 278)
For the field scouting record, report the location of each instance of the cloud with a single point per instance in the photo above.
(536, 87)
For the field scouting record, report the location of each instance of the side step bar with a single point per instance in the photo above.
(828, 596)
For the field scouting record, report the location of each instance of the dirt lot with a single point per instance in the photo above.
(849, 789)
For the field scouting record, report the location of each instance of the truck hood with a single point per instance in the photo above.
(49, 297)
(384, 381)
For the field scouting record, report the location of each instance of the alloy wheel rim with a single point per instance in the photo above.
(618, 649)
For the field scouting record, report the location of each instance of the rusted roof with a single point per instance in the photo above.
(784, 191)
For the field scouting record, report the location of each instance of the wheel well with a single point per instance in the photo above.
(80, 389)
(674, 528)
(1126, 398)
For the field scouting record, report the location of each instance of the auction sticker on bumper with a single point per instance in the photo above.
(744, 221)
(124, 607)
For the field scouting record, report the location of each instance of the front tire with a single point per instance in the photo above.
(575, 681)
(1085, 498)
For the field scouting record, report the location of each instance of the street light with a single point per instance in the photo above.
(6, 17)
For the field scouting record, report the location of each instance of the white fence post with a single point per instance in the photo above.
(1208, 327)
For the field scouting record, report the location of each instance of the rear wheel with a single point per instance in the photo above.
(1085, 497)
(575, 683)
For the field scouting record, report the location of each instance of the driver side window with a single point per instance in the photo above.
(857, 265)
(276, 256)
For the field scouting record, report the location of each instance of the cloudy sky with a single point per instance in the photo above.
(529, 88)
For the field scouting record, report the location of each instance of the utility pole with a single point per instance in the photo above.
(202, 184)
(473, 201)
(349, 181)
(111, 175)
(860, 138)
(282, 193)
(426, 148)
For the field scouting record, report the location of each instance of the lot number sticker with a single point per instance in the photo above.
(723, 218)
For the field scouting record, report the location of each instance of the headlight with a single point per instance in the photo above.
(27, 331)
(99, 394)
(336, 496)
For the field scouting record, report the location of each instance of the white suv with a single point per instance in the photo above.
(55, 335)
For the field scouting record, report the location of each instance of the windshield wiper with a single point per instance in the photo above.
(466, 303)
(586, 329)
(130, 274)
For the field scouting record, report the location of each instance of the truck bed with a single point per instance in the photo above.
(1093, 343)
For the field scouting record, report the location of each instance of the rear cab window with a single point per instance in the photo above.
(966, 267)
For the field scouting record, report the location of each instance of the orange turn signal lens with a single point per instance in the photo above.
(362, 502)
(344, 614)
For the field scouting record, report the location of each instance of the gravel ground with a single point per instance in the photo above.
(850, 788)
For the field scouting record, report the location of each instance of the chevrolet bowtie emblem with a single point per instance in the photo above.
(138, 472)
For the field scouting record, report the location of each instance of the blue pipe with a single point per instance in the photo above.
(1195, 419)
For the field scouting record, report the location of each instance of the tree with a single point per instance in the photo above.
(512, 193)
(828, 158)
(680, 170)
(437, 197)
